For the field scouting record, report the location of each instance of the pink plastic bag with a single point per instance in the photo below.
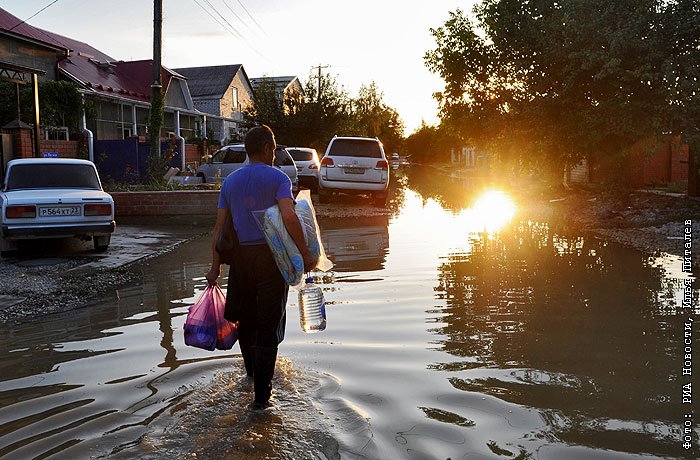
(205, 326)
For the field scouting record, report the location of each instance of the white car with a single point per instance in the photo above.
(233, 157)
(354, 165)
(54, 198)
(307, 163)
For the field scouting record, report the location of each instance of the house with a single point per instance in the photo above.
(469, 158)
(120, 91)
(286, 88)
(223, 90)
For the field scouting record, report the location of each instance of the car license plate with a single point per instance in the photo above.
(354, 171)
(59, 211)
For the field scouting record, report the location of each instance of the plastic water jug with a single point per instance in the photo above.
(312, 308)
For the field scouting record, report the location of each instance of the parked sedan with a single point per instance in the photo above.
(307, 163)
(54, 198)
(233, 157)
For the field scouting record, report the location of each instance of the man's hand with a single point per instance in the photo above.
(213, 274)
(310, 262)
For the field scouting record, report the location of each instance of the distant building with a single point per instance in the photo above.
(223, 90)
(286, 88)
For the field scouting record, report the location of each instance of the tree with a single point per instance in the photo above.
(266, 108)
(552, 81)
(430, 144)
(323, 110)
(373, 118)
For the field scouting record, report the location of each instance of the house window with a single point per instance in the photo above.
(234, 93)
(56, 133)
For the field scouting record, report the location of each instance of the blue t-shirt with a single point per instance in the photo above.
(253, 187)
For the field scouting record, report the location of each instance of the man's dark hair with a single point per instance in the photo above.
(256, 138)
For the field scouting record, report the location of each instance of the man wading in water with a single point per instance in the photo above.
(258, 295)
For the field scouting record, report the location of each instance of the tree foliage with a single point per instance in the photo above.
(372, 117)
(551, 81)
(60, 104)
(430, 144)
(323, 110)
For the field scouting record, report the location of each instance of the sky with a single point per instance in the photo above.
(361, 41)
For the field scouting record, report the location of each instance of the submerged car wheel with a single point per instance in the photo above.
(204, 178)
(101, 242)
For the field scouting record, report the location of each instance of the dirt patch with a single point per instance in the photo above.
(648, 221)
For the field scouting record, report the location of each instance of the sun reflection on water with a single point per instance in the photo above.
(491, 211)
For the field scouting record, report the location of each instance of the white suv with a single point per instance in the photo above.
(354, 165)
(233, 157)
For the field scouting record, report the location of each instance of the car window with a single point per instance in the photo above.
(355, 148)
(218, 157)
(282, 158)
(234, 156)
(46, 175)
(301, 155)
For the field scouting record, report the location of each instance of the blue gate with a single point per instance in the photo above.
(127, 160)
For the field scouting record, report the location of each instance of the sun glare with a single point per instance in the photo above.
(491, 211)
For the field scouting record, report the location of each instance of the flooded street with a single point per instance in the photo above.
(458, 328)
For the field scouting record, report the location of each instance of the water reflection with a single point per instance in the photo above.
(567, 325)
(356, 244)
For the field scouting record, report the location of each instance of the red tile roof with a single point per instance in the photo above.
(12, 25)
(90, 67)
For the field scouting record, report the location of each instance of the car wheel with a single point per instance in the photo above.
(101, 242)
(204, 178)
(7, 249)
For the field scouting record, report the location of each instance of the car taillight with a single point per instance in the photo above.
(20, 212)
(326, 161)
(382, 164)
(314, 166)
(98, 210)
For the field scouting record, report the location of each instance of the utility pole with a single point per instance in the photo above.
(318, 94)
(156, 118)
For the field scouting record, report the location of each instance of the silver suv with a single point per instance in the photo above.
(233, 157)
(354, 165)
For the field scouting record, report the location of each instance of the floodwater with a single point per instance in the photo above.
(458, 327)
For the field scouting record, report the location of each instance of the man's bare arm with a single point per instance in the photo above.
(213, 273)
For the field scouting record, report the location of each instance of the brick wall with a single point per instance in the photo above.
(65, 149)
(179, 202)
(192, 153)
(23, 142)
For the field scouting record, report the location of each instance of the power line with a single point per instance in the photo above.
(235, 34)
(232, 29)
(223, 18)
(251, 17)
(22, 22)
(237, 16)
